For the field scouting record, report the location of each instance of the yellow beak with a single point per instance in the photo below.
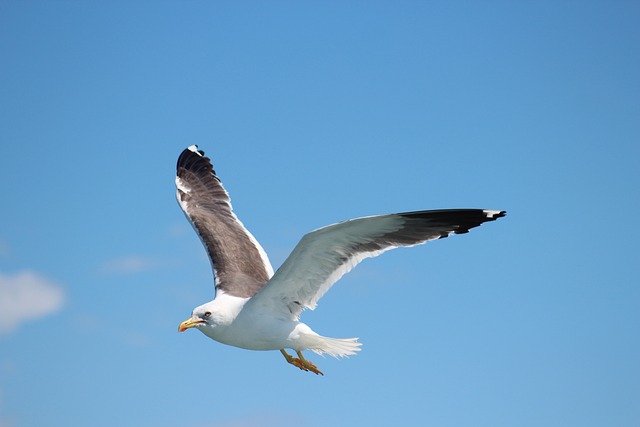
(189, 323)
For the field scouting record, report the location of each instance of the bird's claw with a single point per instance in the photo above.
(307, 366)
(302, 363)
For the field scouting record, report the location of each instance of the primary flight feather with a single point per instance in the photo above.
(258, 310)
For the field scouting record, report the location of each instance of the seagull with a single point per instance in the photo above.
(257, 309)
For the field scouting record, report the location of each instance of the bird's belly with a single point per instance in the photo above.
(254, 333)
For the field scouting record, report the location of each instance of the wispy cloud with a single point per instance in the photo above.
(179, 230)
(128, 264)
(260, 419)
(4, 421)
(4, 249)
(27, 296)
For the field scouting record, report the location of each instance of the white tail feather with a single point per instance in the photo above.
(335, 347)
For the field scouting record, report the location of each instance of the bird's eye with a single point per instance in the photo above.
(207, 314)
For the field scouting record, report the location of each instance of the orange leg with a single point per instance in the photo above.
(301, 363)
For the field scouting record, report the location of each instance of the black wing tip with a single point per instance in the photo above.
(471, 222)
(194, 160)
(493, 215)
(190, 154)
(457, 221)
(486, 214)
(194, 149)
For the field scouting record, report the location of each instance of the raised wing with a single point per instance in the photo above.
(323, 256)
(240, 265)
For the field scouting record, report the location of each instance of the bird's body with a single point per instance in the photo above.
(240, 322)
(256, 309)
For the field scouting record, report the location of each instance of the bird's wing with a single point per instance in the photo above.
(323, 256)
(240, 265)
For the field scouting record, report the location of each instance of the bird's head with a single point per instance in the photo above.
(219, 312)
(200, 317)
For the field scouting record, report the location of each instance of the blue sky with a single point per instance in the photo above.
(313, 113)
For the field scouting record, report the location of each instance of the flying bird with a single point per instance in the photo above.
(257, 309)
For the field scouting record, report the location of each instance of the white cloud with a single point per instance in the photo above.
(27, 296)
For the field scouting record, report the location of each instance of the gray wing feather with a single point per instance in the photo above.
(241, 267)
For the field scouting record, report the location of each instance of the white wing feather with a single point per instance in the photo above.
(323, 256)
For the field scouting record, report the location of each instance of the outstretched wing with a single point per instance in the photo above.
(240, 265)
(323, 256)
